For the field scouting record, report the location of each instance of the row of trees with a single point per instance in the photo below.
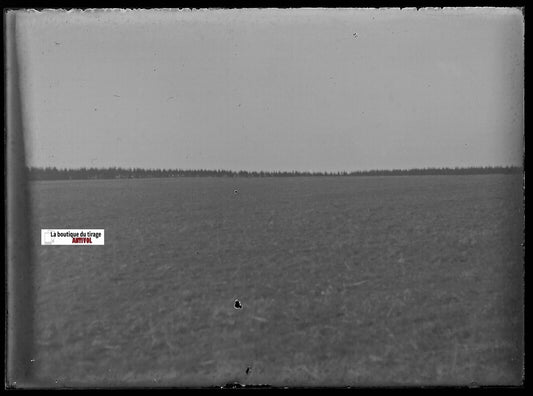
(53, 173)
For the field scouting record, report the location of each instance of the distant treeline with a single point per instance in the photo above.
(50, 173)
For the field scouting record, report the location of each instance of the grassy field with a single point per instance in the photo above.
(343, 281)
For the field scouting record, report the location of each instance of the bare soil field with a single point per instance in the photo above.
(342, 281)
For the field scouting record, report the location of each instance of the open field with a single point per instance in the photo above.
(343, 281)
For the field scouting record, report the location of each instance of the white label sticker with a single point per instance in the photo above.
(86, 236)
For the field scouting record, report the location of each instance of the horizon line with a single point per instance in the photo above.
(131, 168)
(53, 173)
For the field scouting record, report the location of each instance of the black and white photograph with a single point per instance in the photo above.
(263, 197)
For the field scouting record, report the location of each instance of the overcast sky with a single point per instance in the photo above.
(273, 89)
